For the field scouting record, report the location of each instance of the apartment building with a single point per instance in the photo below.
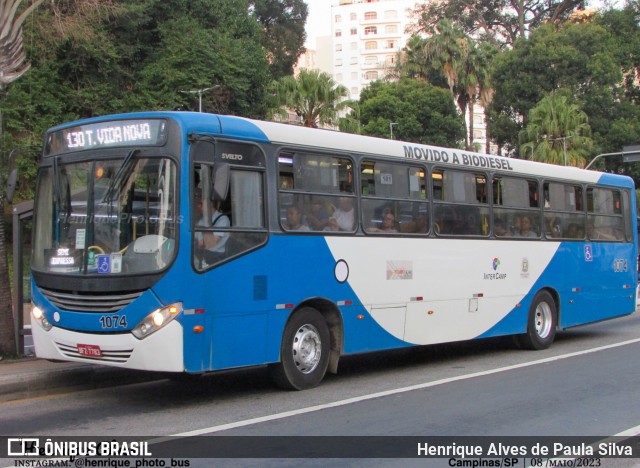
(367, 37)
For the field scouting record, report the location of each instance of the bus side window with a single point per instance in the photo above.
(318, 189)
(394, 198)
(514, 199)
(464, 209)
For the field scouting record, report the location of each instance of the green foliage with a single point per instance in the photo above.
(313, 95)
(557, 132)
(592, 61)
(93, 58)
(424, 113)
(495, 21)
(284, 37)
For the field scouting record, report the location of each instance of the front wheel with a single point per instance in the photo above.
(304, 352)
(541, 324)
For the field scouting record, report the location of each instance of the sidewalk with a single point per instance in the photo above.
(31, 377)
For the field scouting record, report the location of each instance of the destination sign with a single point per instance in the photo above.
(151, 132)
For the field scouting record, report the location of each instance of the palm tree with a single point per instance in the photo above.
(313, 95)
(557, 132)
(445, 49)
(13, 64)
(465, 65)
(412, 60)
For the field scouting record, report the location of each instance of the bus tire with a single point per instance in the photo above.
(541, 323)
(304, 352)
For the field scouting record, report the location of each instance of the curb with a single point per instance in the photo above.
(30, 377)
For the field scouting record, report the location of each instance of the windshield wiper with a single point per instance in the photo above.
(121, 174)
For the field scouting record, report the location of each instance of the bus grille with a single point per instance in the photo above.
(90, 302)
(118, 356)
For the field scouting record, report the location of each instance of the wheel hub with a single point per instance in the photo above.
(307, 348)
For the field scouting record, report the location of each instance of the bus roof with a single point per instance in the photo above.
(322, 139)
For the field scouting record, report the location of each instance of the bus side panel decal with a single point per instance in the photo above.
(457, 289)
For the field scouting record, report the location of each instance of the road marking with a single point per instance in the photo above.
(349, 401)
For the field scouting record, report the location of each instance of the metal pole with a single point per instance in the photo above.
(200, 92)
(603, 155)
(391, 124)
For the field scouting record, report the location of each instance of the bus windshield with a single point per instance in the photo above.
(105, 217)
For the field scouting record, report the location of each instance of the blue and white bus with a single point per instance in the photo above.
(331, 244)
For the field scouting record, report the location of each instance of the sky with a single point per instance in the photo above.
(319, 20)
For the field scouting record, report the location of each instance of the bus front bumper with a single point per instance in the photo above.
(161, 351)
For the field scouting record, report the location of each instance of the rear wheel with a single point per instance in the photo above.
(541, 324)
(304, 352)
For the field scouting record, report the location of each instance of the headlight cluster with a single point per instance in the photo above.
(156, 320)
(37, 314)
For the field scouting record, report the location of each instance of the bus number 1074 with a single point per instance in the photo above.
(113, 321)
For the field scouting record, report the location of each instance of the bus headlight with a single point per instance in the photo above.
(156, 320)
(37, 314)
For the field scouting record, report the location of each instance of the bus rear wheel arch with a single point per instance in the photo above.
(542, 322)
(304, 351)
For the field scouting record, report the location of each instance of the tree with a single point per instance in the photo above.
(496, 21)
(284, 35)
(475, 81)
(423, 113)
(313, 95)
(581, 58)
(351, 123)
(445, 48)
(13, 64)
(558, 132)
(465, 65)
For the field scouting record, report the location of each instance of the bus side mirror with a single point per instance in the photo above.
(12, 181)
(220, 187)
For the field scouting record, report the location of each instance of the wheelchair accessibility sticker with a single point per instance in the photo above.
(588, 253)
(104, 264)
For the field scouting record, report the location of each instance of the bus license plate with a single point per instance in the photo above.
(89, 350)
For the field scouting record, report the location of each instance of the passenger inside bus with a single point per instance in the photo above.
(316, 215)
(526, 229)
(388, 223)
(211, 244)
(500, 229)
(294, 219)
(344, 214)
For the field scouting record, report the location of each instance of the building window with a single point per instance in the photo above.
(390, 14)
(338, 33)
(354, 46)
(370, 30)
(354, 75)
(354, 61)
(390, 60)
(339, 77)
(338, 47)
(353, 16)
(370, 45)
(371, 75)
(370, 60)
(354, 91)
(391, 29)
(338, 18)
(338, 62)
(354, 31)
(391, 45)
(370, 15)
